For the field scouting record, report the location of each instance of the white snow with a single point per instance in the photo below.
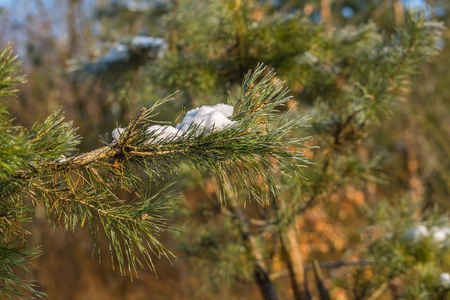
(440, 234)
(117, 133)
(226, 110)
(208, 117)
(159, 133)
(144, 42)
(416, 234)
(61, 159)
(121, 52)
(444, 278)
(205, 118)
(118, 52)
(195, 116)
(137, 6)
(156, 47)
(217, 120)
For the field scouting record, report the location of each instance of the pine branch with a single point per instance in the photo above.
(81, 190)
(9, 68)
(13, 262)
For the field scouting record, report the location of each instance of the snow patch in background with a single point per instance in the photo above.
(416, 234)
(116, 54)
(155, 47)
(122, 52)
(137, 6)
(440, 235)
(444, 278)
(141, 41)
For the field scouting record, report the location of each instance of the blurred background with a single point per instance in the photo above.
(80, 55)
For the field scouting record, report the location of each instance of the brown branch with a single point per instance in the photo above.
(90, 157)
(323, 292)
(324, 265)
(255, 222)
(261, 271)
(379, 292)
(380, 9)
(85, 159)
(399, 12)
(41, 135)
(325, 12)
(133, 124)
(157, 152)
(293, 257)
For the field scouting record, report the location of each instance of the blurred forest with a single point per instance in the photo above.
(387, 170)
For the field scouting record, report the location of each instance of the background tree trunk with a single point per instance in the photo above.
(261, 272)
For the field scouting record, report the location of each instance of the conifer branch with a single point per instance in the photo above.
(81, 190)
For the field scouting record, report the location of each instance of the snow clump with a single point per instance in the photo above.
(444, 278)
(226, 110)
(141, 41)
(137, 6)
(155, 47)
(439, 235)
(159, 133)
(117, 53)
(208, 117)
(205, 118)
(122, 52)
(416, 234)
(117, 133)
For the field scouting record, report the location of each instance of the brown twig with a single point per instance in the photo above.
(85, 159)
(324, 265)
(324, 295)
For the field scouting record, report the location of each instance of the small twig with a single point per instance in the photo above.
(381, 9)
(324, 265)
(133, 125)
(324, 295)
(338, 264)
(378, 292)
(41, 135)
(157, 152)
(252, 221)
(84, 159)
(307, 293)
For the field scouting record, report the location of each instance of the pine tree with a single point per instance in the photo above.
(40, 167)
(257, 209)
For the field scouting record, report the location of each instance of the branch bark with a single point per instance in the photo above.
(399, 12)
(261, 272)
(323, 292)
(324, 265)
(325, 11)
(294, 259)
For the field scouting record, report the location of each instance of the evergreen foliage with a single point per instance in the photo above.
(258, 178)
(82, 190)
(362, 72)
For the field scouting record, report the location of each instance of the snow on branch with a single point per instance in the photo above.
(242, 145)
(132, 51)
(134, 6)
(205, 119)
